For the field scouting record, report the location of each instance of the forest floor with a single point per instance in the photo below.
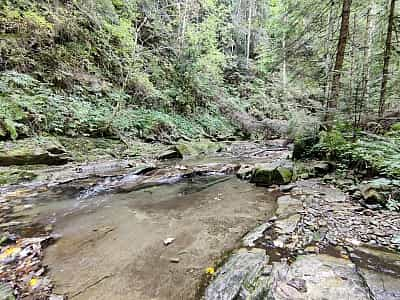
(105, 227)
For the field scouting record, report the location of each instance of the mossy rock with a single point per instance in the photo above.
(274, 173)
(203, 147)
(33, 151)
(303, 147)
(14, 176)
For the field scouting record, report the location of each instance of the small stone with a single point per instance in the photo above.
(298, 284)
(168, 241)
(311, 249)
(174, 260)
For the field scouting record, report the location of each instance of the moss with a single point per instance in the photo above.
(198, 148)
(38, 20)
(270, 174)
(285, 175)
(14, 176)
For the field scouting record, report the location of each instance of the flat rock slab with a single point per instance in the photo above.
(250, 238)
(382, 286)
(287, 206)
(316, 277)
(287, 225)
(241, 272)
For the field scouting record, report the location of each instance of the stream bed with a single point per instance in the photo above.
(111, 244)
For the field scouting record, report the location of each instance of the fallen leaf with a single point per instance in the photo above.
(210, 271)
(33, 282)
(11, 251)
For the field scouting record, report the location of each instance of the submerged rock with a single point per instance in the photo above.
(32, 151)
(280, 172)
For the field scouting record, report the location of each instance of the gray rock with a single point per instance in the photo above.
(280, 172)
(32, 151)
(169, 154)
(287, 205)
(287, 188)
(287, 225)
(382, 286)
(255, 234)
(239, 277)
(323, 168)
(324, 277)
(6, 292)
(244, 172)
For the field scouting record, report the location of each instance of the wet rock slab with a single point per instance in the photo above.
(239, 276)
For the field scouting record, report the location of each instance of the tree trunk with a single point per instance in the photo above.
(284, 69)
(248, 35)
(328, 60)
(366, 73)
(341, 48)
(386, 59)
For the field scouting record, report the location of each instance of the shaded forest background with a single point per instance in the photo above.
(192, 67)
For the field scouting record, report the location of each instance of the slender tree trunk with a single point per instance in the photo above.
(341, 49)
(284, 69)
(369, 35)
(353, 57)
(238, 22)
(248, 35)
(386, 59)
(328, 61)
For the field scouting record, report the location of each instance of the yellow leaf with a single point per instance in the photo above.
(33, 282)
(210, 271)
(10, 252)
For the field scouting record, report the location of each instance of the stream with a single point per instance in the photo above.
(112, 245)
(151, 231)
(111, 230)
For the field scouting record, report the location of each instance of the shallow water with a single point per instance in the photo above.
(112, 243)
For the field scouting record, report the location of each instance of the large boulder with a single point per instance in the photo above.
(33, 151)
(379, 190)
(280, 172)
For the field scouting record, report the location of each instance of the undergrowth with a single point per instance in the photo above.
(29, 107)
(362, 150)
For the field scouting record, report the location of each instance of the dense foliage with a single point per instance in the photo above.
(100, 67)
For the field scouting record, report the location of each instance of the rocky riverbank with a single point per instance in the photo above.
(322, 241)
(320, 244)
